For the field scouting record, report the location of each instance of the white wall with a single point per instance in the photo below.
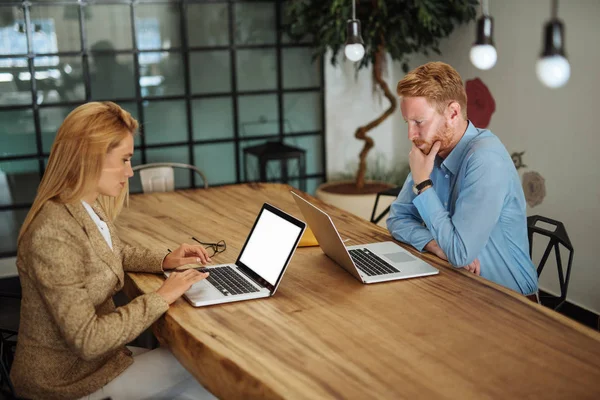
(557, 128)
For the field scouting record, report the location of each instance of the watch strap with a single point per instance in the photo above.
(424, 184)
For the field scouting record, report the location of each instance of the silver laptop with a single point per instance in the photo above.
(369, 263)
(260, 266)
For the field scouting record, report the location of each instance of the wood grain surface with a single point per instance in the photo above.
(326, 335)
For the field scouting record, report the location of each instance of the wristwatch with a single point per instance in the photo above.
(418, 188)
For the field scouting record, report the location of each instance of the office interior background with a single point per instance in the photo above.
(207, 79)
(204, 79)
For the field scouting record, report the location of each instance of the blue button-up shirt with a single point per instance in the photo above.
(476, 209)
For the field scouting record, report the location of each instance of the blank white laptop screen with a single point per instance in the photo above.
(269, 246)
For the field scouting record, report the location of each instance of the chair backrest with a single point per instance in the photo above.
(556, 236)
(393, 192)
(160, 177)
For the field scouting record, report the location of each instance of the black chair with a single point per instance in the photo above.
(278, 152)
(557, 236)
(388, 192)
(8, 344)
(10, 308)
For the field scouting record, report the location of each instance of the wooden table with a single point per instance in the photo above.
(325, 335)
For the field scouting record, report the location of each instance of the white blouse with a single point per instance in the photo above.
(102, 226)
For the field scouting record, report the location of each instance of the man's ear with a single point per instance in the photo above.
(453, 112)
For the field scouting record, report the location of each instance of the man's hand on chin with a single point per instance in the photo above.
(421, 164)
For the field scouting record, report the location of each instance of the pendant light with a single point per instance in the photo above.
(355, 48)
(483, 54)
(553, 68)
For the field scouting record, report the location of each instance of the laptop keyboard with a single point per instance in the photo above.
(371, 264)
(228, 281)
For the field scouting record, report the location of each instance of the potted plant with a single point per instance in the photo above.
(380, 175)
(395, 27)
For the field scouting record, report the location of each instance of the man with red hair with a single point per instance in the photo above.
(463, 199)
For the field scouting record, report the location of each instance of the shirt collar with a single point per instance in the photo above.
(454, 159)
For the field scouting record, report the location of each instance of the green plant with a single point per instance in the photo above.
(397, 27)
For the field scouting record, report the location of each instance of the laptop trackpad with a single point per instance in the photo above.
(399, 257)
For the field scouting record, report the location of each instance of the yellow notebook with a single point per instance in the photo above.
(308, 238)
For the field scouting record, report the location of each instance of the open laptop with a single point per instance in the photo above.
(260, 266)
(369, 263)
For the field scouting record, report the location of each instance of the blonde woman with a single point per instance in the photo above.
(71, 262)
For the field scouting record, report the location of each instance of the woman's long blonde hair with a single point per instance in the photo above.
(85, 137)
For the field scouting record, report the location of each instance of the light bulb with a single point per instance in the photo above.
(354, 52)
(483, 56)
(355, 49)
(554, 71)
(552, 67)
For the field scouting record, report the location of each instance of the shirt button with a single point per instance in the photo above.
(445, 204)
(447, 176)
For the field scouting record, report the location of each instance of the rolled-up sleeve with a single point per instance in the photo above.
(463, 235)
(404, 222)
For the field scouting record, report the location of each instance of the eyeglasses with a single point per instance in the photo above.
(216, 248)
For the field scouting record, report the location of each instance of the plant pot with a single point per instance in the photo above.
(345, 195)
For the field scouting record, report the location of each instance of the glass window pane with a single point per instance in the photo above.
(208, 24)
(18, 181)
(15, 82)
(258, 115)
(135, 184)
(256, 69)
(255, 23)
(314, 152)
(178, 154)
(17, 133)
(216, 161)
(13, 39)
(165, 122)
(10, 224)
(161, 74)
(50, 120)
(302, 112)
(56, 28)
(108, 26)
(157, 26)
(298, 69)
(210, 71)
(212, 118)
(112, 76)
(59, 81)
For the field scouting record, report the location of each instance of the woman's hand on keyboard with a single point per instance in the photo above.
(178, 283)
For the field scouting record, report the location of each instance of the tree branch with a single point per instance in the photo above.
(361, 132)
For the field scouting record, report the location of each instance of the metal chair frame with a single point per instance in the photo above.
(389, 192)
(558, 236)
(172, 165)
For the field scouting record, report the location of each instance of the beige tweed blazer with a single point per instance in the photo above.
(72, 337)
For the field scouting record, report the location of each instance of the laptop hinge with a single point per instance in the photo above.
(242, 269)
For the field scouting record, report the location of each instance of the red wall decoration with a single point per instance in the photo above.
(480, 103)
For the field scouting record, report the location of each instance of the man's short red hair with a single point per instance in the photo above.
(437, 82)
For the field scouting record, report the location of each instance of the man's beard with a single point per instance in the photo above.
(443, 135)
